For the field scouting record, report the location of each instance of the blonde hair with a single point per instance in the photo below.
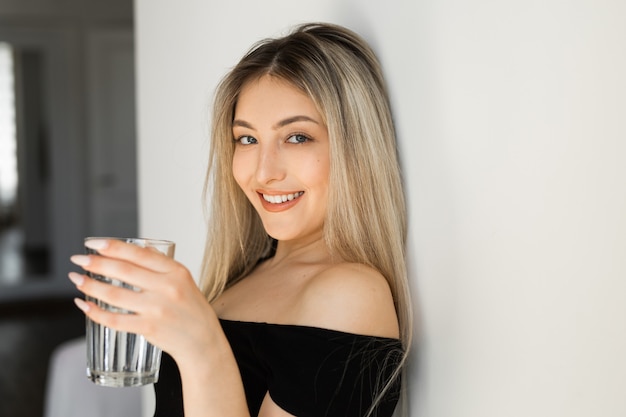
(366, 215)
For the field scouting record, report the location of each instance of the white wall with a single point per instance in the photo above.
(510, 118)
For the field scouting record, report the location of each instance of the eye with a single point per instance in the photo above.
(298, 138)
(245, 140)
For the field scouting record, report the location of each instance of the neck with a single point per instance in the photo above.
(312, 250)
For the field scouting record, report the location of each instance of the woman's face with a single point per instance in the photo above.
(281, 158)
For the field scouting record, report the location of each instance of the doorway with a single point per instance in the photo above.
(72, 155)
(24, 167)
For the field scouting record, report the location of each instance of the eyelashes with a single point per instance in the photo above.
(245, 140)
(298, 138)
(294, 138)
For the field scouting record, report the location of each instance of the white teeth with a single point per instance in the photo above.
(277, 199)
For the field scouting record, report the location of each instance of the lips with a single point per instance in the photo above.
(279, 202)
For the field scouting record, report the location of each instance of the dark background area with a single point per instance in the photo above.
(73, 46)
(29, 333)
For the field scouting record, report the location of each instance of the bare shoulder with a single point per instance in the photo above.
(350, 297)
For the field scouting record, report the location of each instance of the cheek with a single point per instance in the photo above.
(318, 171)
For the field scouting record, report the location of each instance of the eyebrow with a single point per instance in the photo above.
(282, 123)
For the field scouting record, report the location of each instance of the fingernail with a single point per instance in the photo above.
(77, 279)
(81, 304)
(96, 244)
(81, 260)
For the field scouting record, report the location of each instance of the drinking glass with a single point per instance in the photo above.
(116, 358)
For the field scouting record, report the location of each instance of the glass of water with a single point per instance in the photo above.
(116, 358)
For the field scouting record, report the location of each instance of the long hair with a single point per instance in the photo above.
(366, 213)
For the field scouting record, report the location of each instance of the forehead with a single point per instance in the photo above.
(269, 97)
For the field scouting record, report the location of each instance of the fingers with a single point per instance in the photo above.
(171, 315)
(120, 298)
(124, 271)
(160, 287)
(125, 322)
(147, 257)
(126, 262)
(113, 306)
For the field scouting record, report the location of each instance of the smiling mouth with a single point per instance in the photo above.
(278, 199)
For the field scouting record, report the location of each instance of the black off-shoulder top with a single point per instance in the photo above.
(308, 371)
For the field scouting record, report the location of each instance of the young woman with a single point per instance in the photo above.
(308, 309)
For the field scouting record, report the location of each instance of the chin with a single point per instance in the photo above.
(285, 232)
(280, 235)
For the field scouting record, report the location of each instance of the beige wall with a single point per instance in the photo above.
(510, 118)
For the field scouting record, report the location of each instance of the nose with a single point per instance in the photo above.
(270, 164)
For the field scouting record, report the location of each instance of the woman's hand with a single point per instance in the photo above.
(170, 311)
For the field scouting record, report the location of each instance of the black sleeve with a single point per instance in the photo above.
(168, 390)
(334, 377)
